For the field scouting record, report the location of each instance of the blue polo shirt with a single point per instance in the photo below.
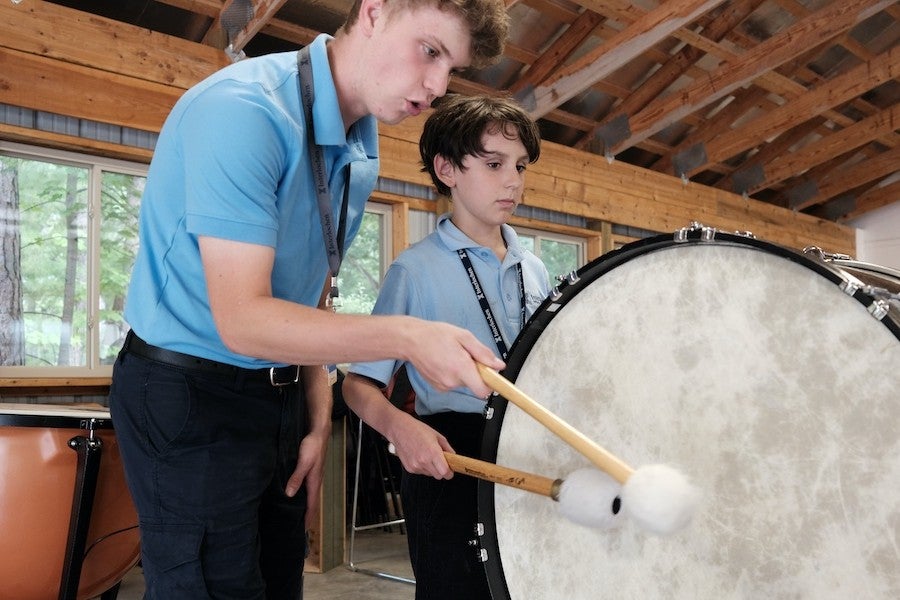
(429, 281)
(232, 162)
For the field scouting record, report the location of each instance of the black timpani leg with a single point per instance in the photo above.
(88, 449)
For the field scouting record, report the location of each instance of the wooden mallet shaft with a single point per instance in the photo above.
(488, 471)
(602, 458)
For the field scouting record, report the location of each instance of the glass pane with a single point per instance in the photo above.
(120, 199)
(527, 242)
(361, 270)
(561, 258)
(43, 289)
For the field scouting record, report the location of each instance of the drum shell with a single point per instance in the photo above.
(796, 415)
(39, 471)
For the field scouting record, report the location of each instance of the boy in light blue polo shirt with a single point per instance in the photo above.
(472, 272)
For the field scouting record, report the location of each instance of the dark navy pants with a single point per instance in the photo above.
(206, 459)
(440, 520)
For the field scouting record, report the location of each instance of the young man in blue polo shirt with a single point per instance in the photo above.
(258, 181)
(471, 271)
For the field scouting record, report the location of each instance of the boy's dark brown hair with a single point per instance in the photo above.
(487, 19)
(455, 128)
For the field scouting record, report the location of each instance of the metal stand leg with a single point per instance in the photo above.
(354, 527)
(89, 450)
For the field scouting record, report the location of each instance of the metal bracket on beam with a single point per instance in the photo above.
(526, 98)
(689, 159)
(744, 180)
(613, 132)
(800, 193)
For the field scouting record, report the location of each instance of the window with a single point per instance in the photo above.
(68, 229)
(366, 261)
(561, 253)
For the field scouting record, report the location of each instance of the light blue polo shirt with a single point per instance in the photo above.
(429, 281)
(232, 162)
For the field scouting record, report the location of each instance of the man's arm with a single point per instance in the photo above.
(253, 323)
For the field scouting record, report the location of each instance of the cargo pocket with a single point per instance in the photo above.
(170, 558)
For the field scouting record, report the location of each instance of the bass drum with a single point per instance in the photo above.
(39, 471)
(756, 371)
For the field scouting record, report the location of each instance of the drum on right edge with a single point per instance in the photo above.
(747, 367)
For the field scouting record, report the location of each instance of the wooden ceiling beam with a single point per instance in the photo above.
(717, 26)
(263, 11)
(832, 93)
(766, 153)
(721, 123)
(68, 35)
(875, 198)
(560, 50)
(281, 29)
(847, 178)
(615, 53)
(782, 47)
(826, 148)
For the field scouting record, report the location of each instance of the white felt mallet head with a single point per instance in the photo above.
(660, 499)
(592, 498)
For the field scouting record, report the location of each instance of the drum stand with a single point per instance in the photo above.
(354, 527)
(89, 450)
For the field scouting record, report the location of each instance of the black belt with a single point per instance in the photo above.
(277, 376)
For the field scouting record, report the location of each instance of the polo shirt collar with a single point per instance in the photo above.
(455, 239)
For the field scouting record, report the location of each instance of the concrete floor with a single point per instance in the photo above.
(374, 551)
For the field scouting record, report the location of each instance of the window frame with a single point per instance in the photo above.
(93, 373)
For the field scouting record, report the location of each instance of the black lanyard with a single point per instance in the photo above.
(334, 242)
(485, 305)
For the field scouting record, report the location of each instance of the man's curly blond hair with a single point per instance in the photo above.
(487, 19)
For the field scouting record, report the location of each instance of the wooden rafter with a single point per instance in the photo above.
(826, 96)
(717, 25)
(849, 177)
(766, 56)
(617, 51)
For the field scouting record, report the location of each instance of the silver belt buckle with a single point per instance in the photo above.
(283, 383)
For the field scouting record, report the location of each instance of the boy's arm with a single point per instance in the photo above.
(419, 447)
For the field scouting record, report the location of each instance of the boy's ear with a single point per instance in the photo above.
(445, 170)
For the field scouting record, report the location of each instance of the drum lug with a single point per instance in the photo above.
(480, 552)
(879, 309)
(850, 287)
(569, 278)
(707, 234)
(488, 413)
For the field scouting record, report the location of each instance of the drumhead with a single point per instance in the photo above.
(747, 367)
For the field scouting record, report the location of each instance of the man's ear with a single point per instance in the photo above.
(445, 170)
(369, 13)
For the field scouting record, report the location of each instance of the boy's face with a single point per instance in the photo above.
(414, 54)
(489, 187)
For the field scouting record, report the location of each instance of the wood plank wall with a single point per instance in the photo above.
(67, 62)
